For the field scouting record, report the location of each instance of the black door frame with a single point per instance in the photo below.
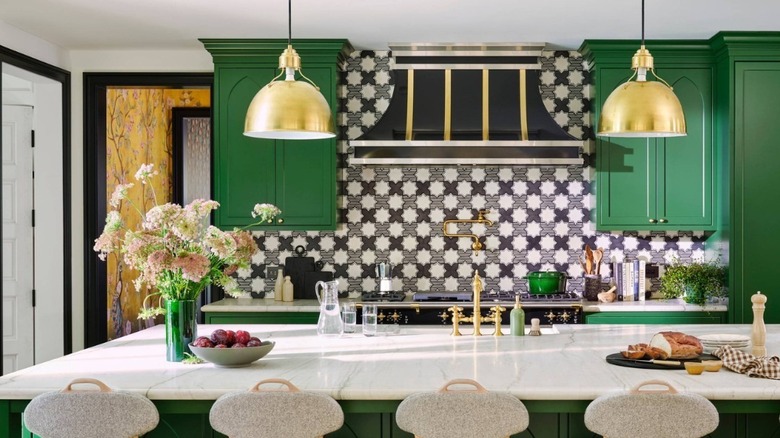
(95, 85)
(41, 68)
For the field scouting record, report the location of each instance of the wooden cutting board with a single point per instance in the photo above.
(619, 360)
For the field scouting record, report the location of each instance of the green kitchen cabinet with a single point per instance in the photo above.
(655, 318)
(656, 183)
(748, 90)
(298, 176)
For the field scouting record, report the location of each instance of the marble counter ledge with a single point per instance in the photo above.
(673, 305)
(261, 305)
(391, 367)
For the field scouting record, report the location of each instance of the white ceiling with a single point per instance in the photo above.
(371, 24)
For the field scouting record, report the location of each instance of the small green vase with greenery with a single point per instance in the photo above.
(696, 282)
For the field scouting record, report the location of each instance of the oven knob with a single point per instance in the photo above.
(550, 316)
(395, 317)
(565, 317)
(444, 316)
(381, 316)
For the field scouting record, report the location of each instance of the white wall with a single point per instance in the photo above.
(79, 62)
(125, 61)
(32, 46)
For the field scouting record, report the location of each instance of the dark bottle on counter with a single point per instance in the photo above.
(517, 319)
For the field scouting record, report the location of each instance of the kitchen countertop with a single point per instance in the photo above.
(673, 305)
(569, 365)
(269, 305)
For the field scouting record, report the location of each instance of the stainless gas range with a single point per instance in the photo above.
(427, 308)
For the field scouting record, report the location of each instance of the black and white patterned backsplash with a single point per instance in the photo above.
(542, 216)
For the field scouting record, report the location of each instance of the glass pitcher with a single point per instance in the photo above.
(329, 323)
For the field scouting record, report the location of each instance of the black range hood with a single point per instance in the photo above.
(466, 104)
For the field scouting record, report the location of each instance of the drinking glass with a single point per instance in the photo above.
(350, 317)
(369, 319)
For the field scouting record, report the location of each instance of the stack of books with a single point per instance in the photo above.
(629, 278)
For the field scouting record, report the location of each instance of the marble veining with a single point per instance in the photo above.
(569, 365)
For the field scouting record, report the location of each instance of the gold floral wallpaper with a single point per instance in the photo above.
(138, 131)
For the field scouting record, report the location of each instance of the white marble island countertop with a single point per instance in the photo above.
(569, 365)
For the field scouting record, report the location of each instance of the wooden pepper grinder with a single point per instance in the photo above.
(758, 337)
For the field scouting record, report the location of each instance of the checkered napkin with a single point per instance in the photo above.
(745, 363)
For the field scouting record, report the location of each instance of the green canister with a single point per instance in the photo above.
(517, 319)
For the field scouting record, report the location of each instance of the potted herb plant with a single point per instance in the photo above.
(695, 282)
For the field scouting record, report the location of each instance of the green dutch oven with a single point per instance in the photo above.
(548, 282)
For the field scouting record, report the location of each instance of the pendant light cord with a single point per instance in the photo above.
(289, 21)
(643, 22)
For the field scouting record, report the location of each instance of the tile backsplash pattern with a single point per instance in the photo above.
(541, 215)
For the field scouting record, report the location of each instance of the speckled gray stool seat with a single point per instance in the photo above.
(646, 413)
(276, 413)
(72, 413)
(451, 413)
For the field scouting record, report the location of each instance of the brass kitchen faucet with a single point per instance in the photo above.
(476, 317)
(477, 245)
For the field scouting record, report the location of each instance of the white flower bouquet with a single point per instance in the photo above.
(174, 250)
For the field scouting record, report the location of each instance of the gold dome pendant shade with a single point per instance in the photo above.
(642, 108)
(289, 109)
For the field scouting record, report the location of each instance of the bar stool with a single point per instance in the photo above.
(71, 413)
(638, 413)
(276, 413)
(469, 413)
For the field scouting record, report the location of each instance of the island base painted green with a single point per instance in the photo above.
(376, 419)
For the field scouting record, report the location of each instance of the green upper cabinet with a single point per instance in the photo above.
(297, 176)
(656, 183)
(748, 91)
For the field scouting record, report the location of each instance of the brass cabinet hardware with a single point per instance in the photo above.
(476, 245)
(652, 221)
(663, 221)
(280, 220)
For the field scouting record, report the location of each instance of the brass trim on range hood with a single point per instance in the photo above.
(467, 104)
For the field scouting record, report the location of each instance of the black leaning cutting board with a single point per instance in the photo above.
(619, 360)
(296, 267)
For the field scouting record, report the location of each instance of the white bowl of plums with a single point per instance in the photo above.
(226, 348)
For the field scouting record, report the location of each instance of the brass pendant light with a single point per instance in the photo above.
(289, 109)
(642, 108)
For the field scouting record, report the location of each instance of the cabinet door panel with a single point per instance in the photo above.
(756, 183)
(625, 171)
(304, 193)
(685, 163)
(306, 174)
(244, 167)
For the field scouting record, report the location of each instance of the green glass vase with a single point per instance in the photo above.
(181, 328)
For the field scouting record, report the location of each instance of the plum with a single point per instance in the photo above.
(220, 346)
(242, 336)
(238, 345)
(254, 342)
(231, 337)
(254, 338)
(203, 342)
(219, 336)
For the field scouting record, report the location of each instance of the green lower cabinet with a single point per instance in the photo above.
(656, 318)
(262, 317)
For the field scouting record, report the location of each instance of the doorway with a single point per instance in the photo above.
(36, 268)
(98, 87)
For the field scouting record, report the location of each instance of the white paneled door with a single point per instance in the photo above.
(17, 195)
